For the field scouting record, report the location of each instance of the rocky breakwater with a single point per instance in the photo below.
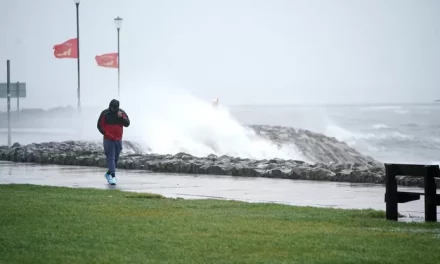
(313, 146)
(91, 154)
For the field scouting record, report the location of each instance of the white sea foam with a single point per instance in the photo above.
(401, 111)
(380, 126)
(175, 121)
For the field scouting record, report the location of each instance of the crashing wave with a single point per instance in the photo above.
(311, 147)
(315, 147)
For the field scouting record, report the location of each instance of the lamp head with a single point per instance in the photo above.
(118, 22)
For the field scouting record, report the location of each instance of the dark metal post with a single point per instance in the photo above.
(391, 192)
(18, 100)
(119, 67)
(77, 44)
(431, 194)
(8, 92)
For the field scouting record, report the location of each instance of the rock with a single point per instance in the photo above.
(294, 174)
(321, 174)
(183, 156)
(212, 157)
(60, 159)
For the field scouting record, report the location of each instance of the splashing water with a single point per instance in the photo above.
(171, 121)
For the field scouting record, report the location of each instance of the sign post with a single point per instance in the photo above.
(8, 82)
(17, 89)
(7, 91)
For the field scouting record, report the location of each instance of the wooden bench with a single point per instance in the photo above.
(393, 197)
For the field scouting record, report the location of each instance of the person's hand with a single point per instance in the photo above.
(119, 114)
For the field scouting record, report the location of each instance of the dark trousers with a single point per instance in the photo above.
(112, 150)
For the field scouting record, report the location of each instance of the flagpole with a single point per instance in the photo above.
(119, 69)
(77, 45)
(118, 22)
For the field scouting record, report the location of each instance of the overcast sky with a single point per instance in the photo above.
(242, 51)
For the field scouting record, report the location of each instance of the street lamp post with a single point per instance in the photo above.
(77, 44)
(118, 22)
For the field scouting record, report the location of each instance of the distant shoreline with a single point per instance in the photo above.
(73, 109)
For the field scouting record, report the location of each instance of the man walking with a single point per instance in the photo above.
(111, 124)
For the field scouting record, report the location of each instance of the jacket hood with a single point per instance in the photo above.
(114, 105)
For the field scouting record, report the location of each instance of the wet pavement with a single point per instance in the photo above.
(292, 192)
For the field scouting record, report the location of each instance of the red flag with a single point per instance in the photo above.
(109, 60)
(68, 49)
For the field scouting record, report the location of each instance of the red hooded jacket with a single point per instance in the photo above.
(111, 125)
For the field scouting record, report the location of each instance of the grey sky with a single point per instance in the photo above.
(242, 51)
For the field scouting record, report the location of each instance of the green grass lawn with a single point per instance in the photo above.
(62, 225)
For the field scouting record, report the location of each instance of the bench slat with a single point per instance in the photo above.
(411, 170)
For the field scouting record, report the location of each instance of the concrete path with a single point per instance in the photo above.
(292, 192)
